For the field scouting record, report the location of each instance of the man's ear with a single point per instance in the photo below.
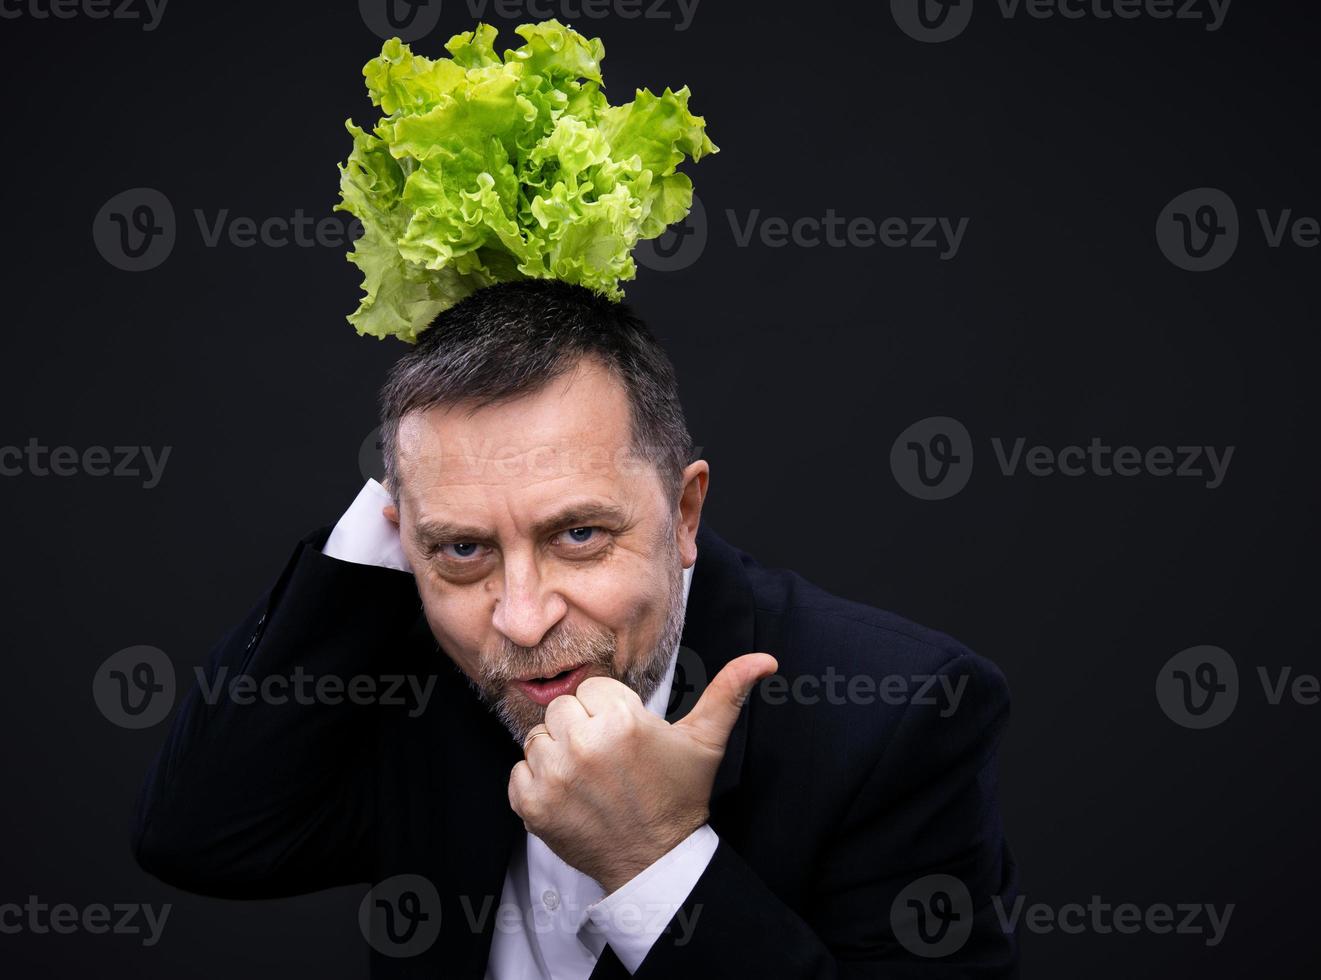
(692, 494)
(391, 511)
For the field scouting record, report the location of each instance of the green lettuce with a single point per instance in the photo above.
(485, 169)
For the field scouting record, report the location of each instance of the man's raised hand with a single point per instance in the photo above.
(614, 787)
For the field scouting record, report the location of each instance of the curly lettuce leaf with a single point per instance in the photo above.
(486, 168)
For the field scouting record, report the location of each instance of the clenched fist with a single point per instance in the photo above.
(611, 787)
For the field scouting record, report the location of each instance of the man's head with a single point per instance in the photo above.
(539, 459)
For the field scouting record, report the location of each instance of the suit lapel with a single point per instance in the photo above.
(478, 828)
(719, 626)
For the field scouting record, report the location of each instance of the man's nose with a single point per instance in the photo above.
(528, 607)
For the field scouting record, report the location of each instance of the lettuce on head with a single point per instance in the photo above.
(488, 168)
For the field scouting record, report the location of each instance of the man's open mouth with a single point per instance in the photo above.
(544, 690)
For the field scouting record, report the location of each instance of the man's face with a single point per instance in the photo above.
(544, 551)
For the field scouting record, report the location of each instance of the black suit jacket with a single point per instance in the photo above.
(827, 812)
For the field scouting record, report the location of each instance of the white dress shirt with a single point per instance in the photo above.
(553, 921)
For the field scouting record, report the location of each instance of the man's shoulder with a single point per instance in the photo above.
(815, 628)
(863, 697)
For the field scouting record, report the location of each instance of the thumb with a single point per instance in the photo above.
(716, 711)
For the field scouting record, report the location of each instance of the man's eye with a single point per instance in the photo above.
(462, 550)
(581, 535)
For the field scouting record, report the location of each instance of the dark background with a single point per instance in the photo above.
(1058, 320)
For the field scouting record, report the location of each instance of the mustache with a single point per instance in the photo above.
(565, 647)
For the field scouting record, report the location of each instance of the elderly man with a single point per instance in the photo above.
(825, 808)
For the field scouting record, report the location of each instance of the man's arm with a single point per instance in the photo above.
(927, 809)
(277, 796)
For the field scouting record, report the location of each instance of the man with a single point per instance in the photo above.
(539, 560)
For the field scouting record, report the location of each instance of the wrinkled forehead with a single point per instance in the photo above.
(573, 435)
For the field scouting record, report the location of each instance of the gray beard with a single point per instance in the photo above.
(568, 645)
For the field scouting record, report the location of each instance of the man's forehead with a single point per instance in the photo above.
(584, 410)
(572, 436)
(477, 460)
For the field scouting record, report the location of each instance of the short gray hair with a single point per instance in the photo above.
(514, 338)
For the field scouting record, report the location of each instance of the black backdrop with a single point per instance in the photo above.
(1062, 317)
